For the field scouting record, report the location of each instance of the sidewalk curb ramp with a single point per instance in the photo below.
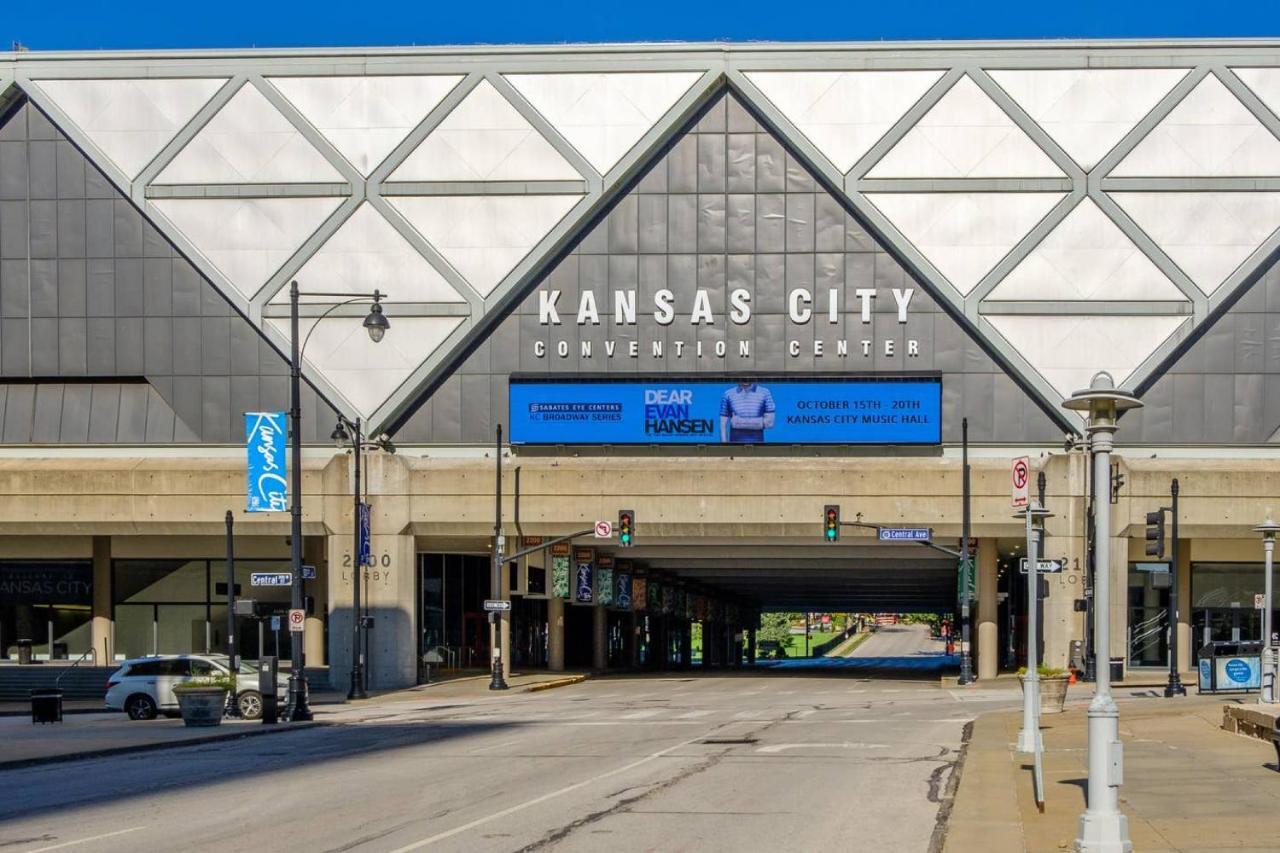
(559, 682)
(152, 747)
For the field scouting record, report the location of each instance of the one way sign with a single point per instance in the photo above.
(1042, 566)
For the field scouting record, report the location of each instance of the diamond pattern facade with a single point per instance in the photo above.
(1061, 193)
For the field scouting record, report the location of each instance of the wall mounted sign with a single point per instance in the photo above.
(726, 411)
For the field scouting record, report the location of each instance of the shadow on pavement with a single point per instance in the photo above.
(66, 786)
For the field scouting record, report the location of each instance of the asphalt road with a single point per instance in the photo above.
(755, 761)
(900, 641)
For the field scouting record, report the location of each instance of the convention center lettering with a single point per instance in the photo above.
(726, 411)
(821, 307)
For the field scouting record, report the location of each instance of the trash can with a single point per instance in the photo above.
(1229, 666)
(46, 705)
(1117, 670)
(24, 652)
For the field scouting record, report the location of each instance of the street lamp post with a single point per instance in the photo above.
(376, 324)
(1267, 694)
(1103, 828)
(1029, 736)
(348, 432)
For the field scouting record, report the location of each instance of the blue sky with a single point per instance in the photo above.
(79, 25)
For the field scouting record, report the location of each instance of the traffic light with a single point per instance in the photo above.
(831, 523)
(1155, 533)
(626, 527)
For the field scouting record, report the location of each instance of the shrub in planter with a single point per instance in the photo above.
(202, 701)
(1053, 687)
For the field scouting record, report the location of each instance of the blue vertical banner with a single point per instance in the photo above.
(266, 444)
(366, 547)
(584, 567)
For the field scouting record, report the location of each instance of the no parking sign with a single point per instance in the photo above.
(1021, 476)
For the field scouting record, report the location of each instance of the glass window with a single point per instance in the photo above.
(202, 668)
(160, 581)
(181, 629)
(150, 667)
(135, 630)
(1226, 584)
(180, 667)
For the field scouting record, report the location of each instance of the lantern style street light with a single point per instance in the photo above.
(376, 324)
(1103, 828)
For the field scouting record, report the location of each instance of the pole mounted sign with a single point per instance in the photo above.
(270, 578)
(1042, 566)
(1021, 481)
(604, 530)
(496, 605)
(904, 534)
(265, 436)
(296, 620)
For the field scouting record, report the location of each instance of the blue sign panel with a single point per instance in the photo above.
(270, 578)
(366, 551)
(699, 411)
(1242, 673)
(622, 600)
(904, 534)
(584, 592)
(1205, 682)
(265, 439)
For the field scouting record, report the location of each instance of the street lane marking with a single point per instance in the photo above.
(780, 747)
(66, 844)
(640, 715)
(467, 827)
(694, 714)
(481, 749)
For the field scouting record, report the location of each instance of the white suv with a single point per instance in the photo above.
(143, 687)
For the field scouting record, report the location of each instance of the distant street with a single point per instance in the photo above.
(740, 762)
(900, 641)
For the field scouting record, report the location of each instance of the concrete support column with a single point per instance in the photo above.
(313, 554)
(633, 641)
(988, 634)
(1186, 662)
(599, 637)
(555, 634)
(389, 587)
(101, 628)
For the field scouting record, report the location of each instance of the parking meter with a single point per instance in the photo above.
(267, 669)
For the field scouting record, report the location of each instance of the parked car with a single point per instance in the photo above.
(143, 687)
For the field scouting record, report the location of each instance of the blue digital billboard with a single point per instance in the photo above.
(726, 411)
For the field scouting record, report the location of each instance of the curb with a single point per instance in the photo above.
(152, 747)
(559, 682)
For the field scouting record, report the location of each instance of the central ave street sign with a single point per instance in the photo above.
(1042, 566)
(904, 534)
(495, 605)
(270, 578)
(1021, 476)
(604, 530)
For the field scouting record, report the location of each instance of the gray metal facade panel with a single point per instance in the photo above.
(90, 288)
(766, 228)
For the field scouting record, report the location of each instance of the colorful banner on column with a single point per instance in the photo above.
(266, 438)
(584, 576)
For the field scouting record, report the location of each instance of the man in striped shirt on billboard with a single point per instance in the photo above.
(746, 411)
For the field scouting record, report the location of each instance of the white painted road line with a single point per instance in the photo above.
(782, 747)
(67, 844)
(691, 715)
(467, 827)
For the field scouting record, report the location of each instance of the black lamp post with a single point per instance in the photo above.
(348, 432)
(376, 324)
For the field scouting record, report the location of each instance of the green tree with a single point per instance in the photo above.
(776, 627)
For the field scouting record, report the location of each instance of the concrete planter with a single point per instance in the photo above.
(1053, 692)
(202, 706)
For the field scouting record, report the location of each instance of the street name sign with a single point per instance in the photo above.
(904, 534)
(297, 618)
(1042, 566)
(496, 605)
(270, 578)
(1021, 476)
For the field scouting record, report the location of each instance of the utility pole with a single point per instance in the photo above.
(966, 560)
(1174, 687)
(497, 681)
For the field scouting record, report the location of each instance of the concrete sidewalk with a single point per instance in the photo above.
(1188, 785)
